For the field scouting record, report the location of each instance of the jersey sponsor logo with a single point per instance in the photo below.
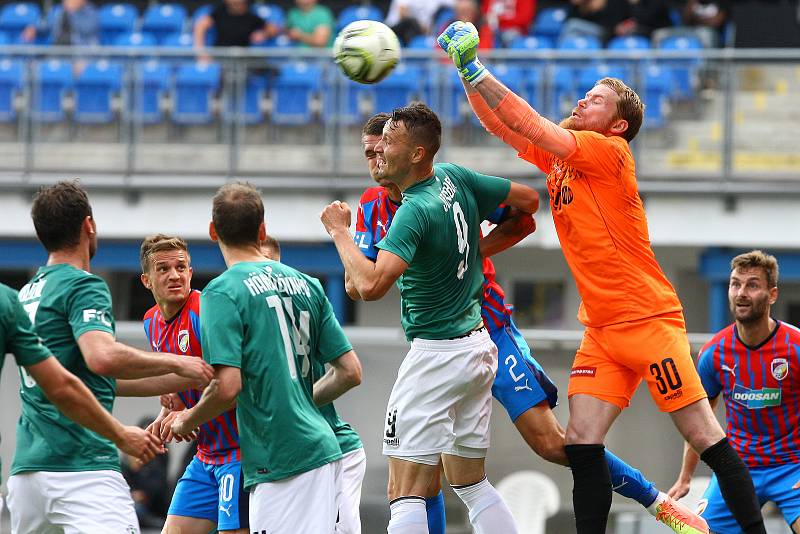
(361, 240)
(226, 510)
(780, 368)
(731, 370)
(91, 314)
(756, 399)
(523, 388)
(588, 372)
(673, 396)
(183, 340)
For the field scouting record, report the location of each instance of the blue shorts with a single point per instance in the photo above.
(771, 483)
(213, 492)
(521, 383)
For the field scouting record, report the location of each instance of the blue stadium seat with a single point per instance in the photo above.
(629, 42)
(135, 39)
(342, 98)
(564, 94)
(683, 70)
(281, 41)
(115, 20)
(532, 42)
(179, 40)
(657, 86)
(449, 106)
(250, 105)
(294, 88)
(579, 42)
(16, 16)
(549, 22)
(53, 81)
(95, 89)
(588, 76)
(534, 87)
(421, 42)
(12, 77)
(354, 13)
(151, 82)
(271, 13)
(195, 86)
(162, 20)
(444, 16)
(397, 89)
(512, 77)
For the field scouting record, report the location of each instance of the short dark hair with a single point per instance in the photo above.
(272, 244)
(422, 125)
(58, 212)
(237, 213)
(375, 124)
(159, 243)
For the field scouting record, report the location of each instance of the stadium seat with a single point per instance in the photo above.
(398, 89)
(549, 22)
(163, 20)
(629, 42)
(534, 87)
(135, 40)
(588, 76)
(531, 498)
(179, 40)
(250, 105)
(53, 80)
(16, 16)
(448, 104)
(531, 42)
(95, 89)
(115, 20)
(342, 99)
(12, 77)
(272, 14)
(684, 69)
(580, 42)
(443, 16)
(195, 86)
(151, 81)
(657, 87)
(354, 13)
(293, 91)
(564, 94)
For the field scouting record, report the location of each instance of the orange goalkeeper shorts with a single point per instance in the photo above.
(612, 360)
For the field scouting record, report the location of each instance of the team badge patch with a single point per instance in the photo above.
(183, 340)
(780, 368)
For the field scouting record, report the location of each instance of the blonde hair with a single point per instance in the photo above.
(758, 259)
(159, 243)
(629, 106)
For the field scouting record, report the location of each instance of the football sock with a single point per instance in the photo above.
(735, 485)
(488, 512)
(434, 506)
(408, 516)
(591, 490)
(629, 481)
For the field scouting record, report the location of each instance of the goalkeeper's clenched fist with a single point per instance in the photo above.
(460, 41)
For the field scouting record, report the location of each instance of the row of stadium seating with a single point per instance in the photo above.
(302, 92)
(170, 24)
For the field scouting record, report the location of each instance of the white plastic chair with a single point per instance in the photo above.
(532, 497)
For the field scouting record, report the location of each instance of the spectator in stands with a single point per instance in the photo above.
(411, 18)
(646, 16)
(708, 19)
(236, 25)
(468, 11)
(508, 18)
(310, 24)
(76, 24)
(596, 18)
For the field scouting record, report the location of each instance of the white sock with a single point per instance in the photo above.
(653, 507)
(488, 512)
(408, 516)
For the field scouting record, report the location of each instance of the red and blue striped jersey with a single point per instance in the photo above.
(374, 216)
(761, 389)
(218, 439)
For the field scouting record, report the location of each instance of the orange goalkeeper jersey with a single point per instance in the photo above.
(602, 228)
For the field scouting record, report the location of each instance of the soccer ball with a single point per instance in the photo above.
(366, 51)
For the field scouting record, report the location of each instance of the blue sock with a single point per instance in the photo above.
(436, 518)
(630, 482)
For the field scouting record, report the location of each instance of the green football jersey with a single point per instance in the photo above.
(271, 321)
(16, 333)
(348, 438)
(436, 232)
(64, 302)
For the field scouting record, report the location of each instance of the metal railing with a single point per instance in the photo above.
(729, 128)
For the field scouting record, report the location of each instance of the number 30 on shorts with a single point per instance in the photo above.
(666, 375)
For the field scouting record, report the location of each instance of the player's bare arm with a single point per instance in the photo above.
(73, 398)
(218, 397)
(371, 280)
(508, 233)
(105, 356)
(344, 374)
(349, 288)
(690, 460)
(155, 385)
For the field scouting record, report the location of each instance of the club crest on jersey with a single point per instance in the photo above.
(780, 368)
(183, 340)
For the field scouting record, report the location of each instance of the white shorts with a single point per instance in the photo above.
(75, 502)
(354, 465)
(442, 400)
(298, 504)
